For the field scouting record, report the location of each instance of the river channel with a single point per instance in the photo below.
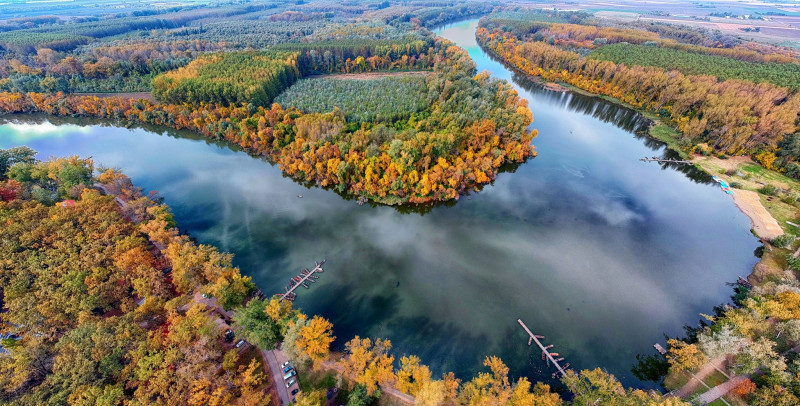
(601, 253)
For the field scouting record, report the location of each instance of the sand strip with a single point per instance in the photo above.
(764, 225)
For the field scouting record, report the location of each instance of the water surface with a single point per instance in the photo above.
(601, 253)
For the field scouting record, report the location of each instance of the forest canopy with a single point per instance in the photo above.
(384, 99)
(229, 78)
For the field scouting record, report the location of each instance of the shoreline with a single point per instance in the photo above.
(763, 224)
(748, 202)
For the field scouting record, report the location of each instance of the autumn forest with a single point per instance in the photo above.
(106, 300)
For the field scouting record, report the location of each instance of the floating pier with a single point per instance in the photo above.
(660, 349)
(305, 278)
(546, 354)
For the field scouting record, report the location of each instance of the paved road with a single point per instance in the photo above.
(697, 378)
(274, 359)
(721, 390)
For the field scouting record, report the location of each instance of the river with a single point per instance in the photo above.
(601, 253)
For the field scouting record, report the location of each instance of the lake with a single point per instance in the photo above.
(598, 251)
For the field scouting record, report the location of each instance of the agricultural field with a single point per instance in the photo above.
(691, 63)
(382, 99)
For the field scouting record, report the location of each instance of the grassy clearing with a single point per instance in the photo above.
(667, 135)
(715, 378)
(380, 99)
(309, 380)
(676, 380)
(751, 176)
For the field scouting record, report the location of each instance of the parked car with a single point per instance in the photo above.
(287, 369)
(285, 364)
(206, 296)
(229, 335)
(289, 375)
(240, 344)
(290, 383)
(294, 391)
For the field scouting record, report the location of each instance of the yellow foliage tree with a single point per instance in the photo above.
(315, 339)
(683, 356)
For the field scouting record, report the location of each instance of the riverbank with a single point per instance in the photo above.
(768, 215)
(766, 222)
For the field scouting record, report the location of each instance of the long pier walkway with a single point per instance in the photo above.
(545, 350)
(666, 160)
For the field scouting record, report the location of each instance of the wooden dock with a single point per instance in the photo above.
(660, 349)
(545, 350)
(289, 291)
(665, 160)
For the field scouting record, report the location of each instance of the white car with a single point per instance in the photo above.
(290, 383)
(285, 364)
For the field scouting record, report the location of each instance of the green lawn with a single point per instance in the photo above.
(676, 380)
(309, 380)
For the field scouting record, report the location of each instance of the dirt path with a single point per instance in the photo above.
(697, 378)
(132, 95)
(720, 390)
(763, 223)
(370, 75)
(731, 163)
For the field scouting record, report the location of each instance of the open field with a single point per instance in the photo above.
(779, 29)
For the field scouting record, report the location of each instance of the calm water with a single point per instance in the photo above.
(596, 250)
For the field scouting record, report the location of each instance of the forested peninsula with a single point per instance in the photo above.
(445, 134)
(106, 302)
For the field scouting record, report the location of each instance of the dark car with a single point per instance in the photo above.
(229, 335)
(294, 391)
